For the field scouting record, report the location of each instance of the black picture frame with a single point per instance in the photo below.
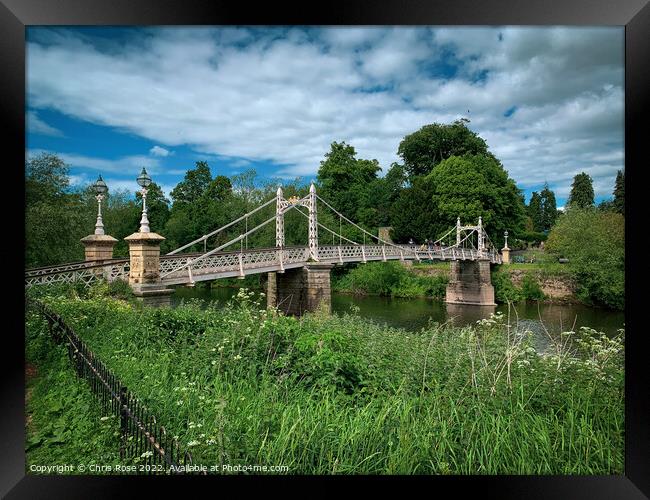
(15, 15)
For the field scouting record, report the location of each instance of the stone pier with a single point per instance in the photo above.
(98, 247)
(297, 291)
(470, 283)
(144, 272)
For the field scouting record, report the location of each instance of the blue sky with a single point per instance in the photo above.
(549, 101)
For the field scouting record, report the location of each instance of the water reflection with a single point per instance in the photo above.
(415, 314)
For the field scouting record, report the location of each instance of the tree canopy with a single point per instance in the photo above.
(421, 151)
(582, 191)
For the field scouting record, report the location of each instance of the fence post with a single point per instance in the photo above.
(123, 420)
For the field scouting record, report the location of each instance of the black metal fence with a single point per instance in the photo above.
(140, 434)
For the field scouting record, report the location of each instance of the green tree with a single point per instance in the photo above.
(594, 242)
(409, 219)
(192, 187)
(473, 186)
(582, 191)
(421, 151)
(55, 218)
(619, 193)
(549, 208)
(535, 211)
(346, 182)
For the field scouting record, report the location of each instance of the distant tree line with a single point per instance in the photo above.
(446, 171)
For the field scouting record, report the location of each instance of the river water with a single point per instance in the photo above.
(414, 314)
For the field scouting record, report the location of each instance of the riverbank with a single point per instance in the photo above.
(549, 283)
(336, 394)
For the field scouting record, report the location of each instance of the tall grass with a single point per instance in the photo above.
(338, 395)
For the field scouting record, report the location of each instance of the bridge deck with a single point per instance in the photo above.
(174, 270)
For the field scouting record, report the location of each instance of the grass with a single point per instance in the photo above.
(337, 395)
(64, 425)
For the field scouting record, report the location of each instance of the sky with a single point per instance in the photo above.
(549, 101)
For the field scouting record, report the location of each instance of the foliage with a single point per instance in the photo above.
(54, 220)
(542, 209)
(327, 394)
(582, 191)
(619, 192)
(594, 243)
(408, 218)
(389, 279)
(64, 422)
(421, 151)
(473, 186)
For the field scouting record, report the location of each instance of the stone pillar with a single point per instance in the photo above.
(470, 283)
(98, 247)
(505, 255)
(144, 269)
(301, 290)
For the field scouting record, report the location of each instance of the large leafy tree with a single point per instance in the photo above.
(346, 182)
(594, 242)
(582, 191)
(192, 187)
(55, 219)
(413, 215)
(476, 185)
(421, 151)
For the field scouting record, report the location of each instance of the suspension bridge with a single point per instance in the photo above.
(296, 274)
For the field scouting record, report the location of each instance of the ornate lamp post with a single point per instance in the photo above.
(505, 234)
(99, 246)
(100, 189)
(144, 181)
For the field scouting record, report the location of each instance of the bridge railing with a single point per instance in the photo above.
(175, 268)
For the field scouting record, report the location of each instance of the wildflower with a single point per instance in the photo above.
(146, 454)
(104, 419)
(202, 435)
(214, 362)
(213, 349)
(179, 402)
(220, 348)
(237, 358)
(193, 443)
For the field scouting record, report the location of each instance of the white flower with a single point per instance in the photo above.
(103, 419)
(179, 402)
(193, 443)
(237, 358)
(147, 454)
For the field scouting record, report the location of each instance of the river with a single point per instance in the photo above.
(414, 314)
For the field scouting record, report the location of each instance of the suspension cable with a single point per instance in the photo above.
(206, 236)
(235, 240)
(334, 233)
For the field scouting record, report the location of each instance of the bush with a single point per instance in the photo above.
(390, 279)
(594, 243)
(530, 288)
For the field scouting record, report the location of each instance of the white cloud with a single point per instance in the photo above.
(36, 125)
(284, 96)
(159, 151)
(125, 165)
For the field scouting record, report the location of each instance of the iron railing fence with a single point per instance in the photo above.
(140, 435)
